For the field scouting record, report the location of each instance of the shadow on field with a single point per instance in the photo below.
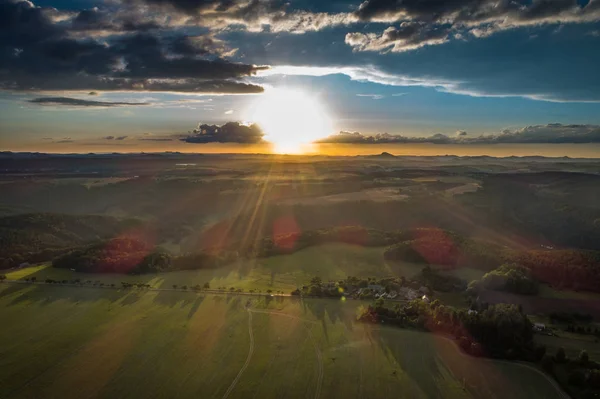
(131, 298)
(10, 289)
(172, 298)
(195, 306)
(318, 308)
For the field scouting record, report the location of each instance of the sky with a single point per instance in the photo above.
(464, 77)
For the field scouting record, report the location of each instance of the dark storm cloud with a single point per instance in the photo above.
(145, 58)
(231, 132)
(37, 53)
(81, 103)
(554, 133)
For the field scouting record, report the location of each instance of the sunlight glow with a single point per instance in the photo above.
(291, 119)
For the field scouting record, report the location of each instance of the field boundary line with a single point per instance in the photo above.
(248, 358)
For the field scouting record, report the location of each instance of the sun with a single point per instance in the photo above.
(291, 120)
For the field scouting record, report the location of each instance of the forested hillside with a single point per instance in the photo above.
(41, 236)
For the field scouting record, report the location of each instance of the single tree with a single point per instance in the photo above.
(174, 286)
(206, 286)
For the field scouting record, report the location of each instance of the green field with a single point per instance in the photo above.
(285, 272)
(67, 342)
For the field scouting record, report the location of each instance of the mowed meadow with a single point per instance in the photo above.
(70, 342)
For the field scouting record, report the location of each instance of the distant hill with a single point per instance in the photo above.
(39, 237)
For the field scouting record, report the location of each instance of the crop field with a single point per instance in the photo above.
(67, 342)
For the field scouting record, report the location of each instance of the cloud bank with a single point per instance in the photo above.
(553, 133)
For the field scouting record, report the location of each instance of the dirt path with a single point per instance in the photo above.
(248, 358)
(320, 365)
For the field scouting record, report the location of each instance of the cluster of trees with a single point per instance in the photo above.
(500, 331)
(508, 277)
(437, 281)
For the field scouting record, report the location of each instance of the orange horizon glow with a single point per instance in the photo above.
(421, 149)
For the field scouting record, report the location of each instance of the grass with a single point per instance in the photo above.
(63, 342)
